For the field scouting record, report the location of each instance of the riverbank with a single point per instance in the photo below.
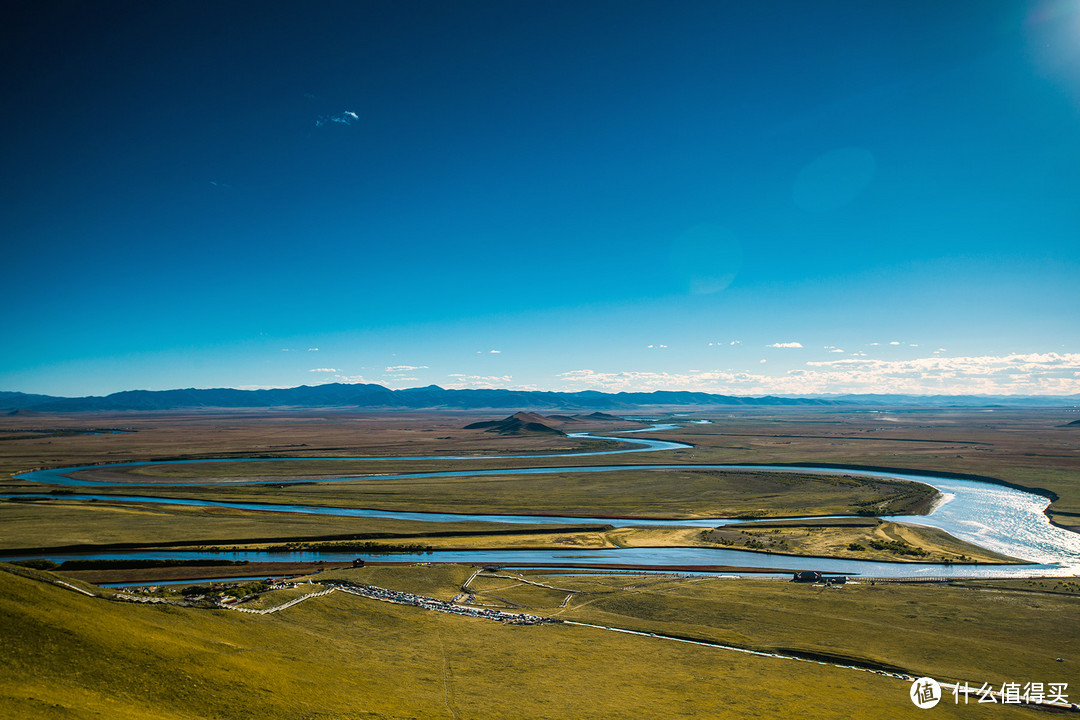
(855, 539)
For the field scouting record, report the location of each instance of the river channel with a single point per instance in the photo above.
(996, 517)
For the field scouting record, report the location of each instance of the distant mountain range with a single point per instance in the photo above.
(370, 396)
(378, 397)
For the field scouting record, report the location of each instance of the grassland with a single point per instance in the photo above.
(631, 493)
(62, 523)
(926, 441)
(992, 630)
(1031, 448)
(68, 655)
(270, 433)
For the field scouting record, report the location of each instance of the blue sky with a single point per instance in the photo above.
(751, 198)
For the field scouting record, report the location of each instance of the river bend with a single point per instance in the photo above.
(999, 518)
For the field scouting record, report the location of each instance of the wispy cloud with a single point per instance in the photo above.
(313, 349)
(405, 368)
(482, 382)
(1015, 374)
(342, 118)
(350, 379)
(329, 370)
(263, 387)
(785, 345)
(657, 347)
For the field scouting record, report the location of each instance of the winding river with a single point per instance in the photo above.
(996, 517)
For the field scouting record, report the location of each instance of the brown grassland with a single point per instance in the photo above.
(1031, 448)
(68, 655)
(339, 656)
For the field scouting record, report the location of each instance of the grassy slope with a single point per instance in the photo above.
(68, 655)
(990, 631)
(945, 632)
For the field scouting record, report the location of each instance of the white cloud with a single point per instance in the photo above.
(494, 352)
(313, 349)
(405, 368)
(286, 350)
(735, 342)
(1015, 374)
(264, 387)
(763, 360)
(785, 345)
(343, 118)
(479, 382)
(873, 344)
(836, 350)
(657, 347)
(331, 370)
(350, 379)
(895, 342)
